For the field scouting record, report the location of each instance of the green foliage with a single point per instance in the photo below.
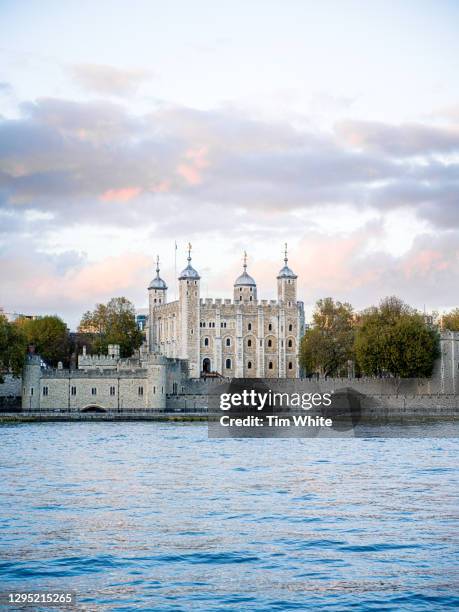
(50, 336)
(113, 323)
(328, 345)
(13, 346)
(450, 320)
(394, 339)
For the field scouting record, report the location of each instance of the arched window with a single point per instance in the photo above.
(249, 342)
(228, 364)
(290, 344)
(290, 365)
(228, 342)
(270, 365)
(206, 341)
(270, 327)
(249, 365)
(270, 343)
(290, 327)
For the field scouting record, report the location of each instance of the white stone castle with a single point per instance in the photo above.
(242, 338)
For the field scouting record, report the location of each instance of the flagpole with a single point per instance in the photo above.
(175, 271)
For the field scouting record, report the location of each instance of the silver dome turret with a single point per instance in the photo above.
(245, 280)
(157, 282)
(286, 272)
(189, 273)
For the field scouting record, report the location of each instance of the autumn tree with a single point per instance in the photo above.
(49, 335)
(450, 320)
(113, 323)
(393, 339)
(328, 346)
(12, 348)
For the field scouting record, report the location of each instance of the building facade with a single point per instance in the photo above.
(242, 337)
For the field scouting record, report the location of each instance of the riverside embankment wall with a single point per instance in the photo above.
(377, 396)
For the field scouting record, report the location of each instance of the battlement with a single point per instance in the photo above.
(217, 302)
(109, 361)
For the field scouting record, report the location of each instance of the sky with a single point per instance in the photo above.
(127, 127)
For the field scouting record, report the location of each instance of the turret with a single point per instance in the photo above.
(245, 288)
(157, 295)
(286, 284)
(31, 378)
(189, 298)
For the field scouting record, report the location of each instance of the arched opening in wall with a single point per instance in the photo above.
(93, 408)
(228, 364)
(206, 365)
(206, 341)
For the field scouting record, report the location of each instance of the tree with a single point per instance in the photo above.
(113, 323)
(328, 345)
(394, 339)
(12, 349)
(49, 335)
(450, 320)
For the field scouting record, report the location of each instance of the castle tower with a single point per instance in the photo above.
(157, 295)
(31, 377)
(289, 321)
(189, 314)
(286, 284)
(245, 288)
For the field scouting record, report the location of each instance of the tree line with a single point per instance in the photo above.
(111, 323)
(391, 339)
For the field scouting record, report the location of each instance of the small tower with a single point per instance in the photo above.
(189, 313)
(157, 295)
(245, 288)
(286, 284)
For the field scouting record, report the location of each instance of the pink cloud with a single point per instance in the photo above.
(195, 160)
(120, 195)
(423, 263)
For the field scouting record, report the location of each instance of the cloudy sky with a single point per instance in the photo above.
(127, 126)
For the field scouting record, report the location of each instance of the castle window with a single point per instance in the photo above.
(249, 326)
(154, 390)
(45, 390)
(290, 327)
(162, 389)
(240, 289)
(140, 391)
(249, 365)
(270, 327)
(112, 390)
(250, 298)
(73, 391)
(228, 342)
(228, 364)
(270, 365)
(240, 298)
(94, 391)
(270, 343)
(154, 300)
(290, 365)
(31, 390)
(290, 344)
(249, 342)
(206, 341)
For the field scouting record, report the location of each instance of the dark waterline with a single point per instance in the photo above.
(152, 516)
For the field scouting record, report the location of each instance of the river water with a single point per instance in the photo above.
(155, 516)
